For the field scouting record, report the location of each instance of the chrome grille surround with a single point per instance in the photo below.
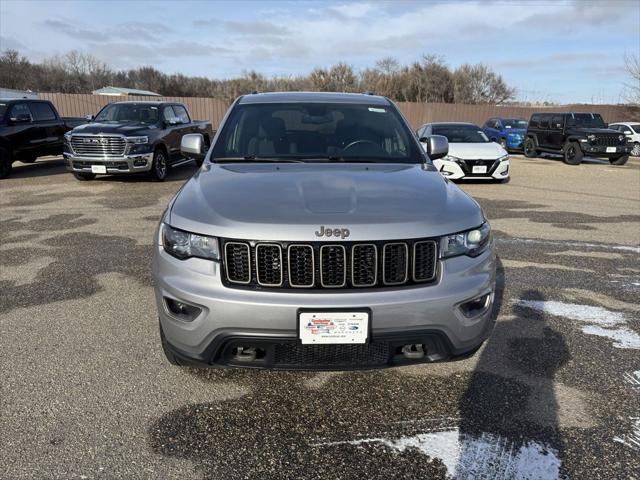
(262, 264)
(337, 248)
(361, 246)
(244, 258)
(290, 257)
(98, 145)
(385, 254)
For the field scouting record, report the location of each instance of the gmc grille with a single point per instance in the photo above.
(320, 265)
(98, 146)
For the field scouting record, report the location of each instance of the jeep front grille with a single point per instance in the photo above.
(608, 141)
(98, 146)
(324, 265)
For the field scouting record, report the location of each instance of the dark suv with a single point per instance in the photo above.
(574, 135)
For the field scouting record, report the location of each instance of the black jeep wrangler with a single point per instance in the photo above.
(574, 135)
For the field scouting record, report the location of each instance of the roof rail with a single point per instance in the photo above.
(368, 92)
(254, 92)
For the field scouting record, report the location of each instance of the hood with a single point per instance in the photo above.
(476, 151)
(291, 201)
(595, 131)
(126, 129)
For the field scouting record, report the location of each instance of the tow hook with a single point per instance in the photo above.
(413, 352)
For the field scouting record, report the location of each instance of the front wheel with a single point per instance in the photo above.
(84, 177)
(5, 163)
(530, 148)
(621, 160)
(572, 154)
(159, 166)
(636, 149)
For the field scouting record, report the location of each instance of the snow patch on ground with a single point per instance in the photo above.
(631, 440)
(599, 246)
(599, 321)
(468, 456)
(633, 379)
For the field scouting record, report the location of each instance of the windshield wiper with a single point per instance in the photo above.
(254, 158)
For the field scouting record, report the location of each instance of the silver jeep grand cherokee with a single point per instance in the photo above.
(318, 235)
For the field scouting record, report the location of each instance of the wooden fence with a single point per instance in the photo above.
(213, 109)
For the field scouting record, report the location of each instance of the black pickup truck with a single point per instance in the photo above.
(132, 137)
(574, 135)
(30, 129)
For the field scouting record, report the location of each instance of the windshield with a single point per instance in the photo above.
(461, 133)
(589, 120)
(635, 127)
(515, 123)
(316, 132)
(128, 112)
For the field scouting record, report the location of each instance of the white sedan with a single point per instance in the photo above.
(471, 153)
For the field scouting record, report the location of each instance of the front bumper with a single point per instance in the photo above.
(428, 315)
(464, 170)
(133, 163)
(601, 151)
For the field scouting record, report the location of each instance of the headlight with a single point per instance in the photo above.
(138, 140)
(451, 158)
(471, 243)
(184, 245)
(504, 157)
(591, 138)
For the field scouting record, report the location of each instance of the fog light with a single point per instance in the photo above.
(139, 162)
(182, 310)
(477, 306)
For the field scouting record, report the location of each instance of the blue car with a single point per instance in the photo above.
(508, 132)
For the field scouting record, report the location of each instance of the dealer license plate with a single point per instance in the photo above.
(98, 169)
(611, 149)
(479, 169)
(333, 327)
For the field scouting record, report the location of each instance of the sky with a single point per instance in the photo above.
(561, 51)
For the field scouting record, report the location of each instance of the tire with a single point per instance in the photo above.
(5, 163)
(84, 177)
(529, 148)
(621, 160)
(636, 150)
(572, 155)
(159, 166)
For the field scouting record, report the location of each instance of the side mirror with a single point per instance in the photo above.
(627, 132)
(89, 118)
(191, 146)
(437, 146)
(21, 118)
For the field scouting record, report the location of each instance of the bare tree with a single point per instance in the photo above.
(632, 88)
(475, 84)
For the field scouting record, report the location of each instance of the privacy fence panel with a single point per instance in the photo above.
(213, 109)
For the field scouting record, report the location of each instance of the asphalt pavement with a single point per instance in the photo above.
(85, 391)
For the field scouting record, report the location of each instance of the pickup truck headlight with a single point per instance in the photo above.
(591, 138)
(185, 245)
(471, 243)
(138, 140)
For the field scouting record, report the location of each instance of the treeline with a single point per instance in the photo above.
(427, 80)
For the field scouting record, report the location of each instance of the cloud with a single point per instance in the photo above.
(72, 30)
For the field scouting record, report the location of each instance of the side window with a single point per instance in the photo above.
(497, 125)
(488, 123)
(534, 122)
(557, 122)
(168, 113)
(42, 112)
(181, 113)
(20, 109)
(544, 121)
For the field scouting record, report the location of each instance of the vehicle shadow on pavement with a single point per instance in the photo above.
(498, 421)
(509, 414)
(40, 168)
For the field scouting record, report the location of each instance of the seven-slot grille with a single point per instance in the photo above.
(608, 141)
(329, 265)
(98, 146)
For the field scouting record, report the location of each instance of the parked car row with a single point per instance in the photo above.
(144, 137)
(124, 137)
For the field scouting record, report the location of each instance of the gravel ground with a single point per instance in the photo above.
(85, 391)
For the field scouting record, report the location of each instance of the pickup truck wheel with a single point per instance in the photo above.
(83, 177)
(159, 165)
(530, 148)
(5, 163)
(621, 160)
(636, 149)
(572, 153)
